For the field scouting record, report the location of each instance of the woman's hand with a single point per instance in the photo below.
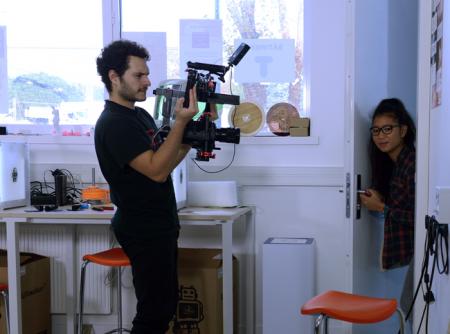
(372, 200)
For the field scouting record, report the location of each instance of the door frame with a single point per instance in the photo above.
(422, 142)
(349, 134)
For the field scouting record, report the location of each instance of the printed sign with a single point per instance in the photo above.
(268, 60)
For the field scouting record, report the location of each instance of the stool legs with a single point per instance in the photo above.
(119, 328)
(323, 318)
(80, 313)
(4, 294)
(317, 324)
(402, 320)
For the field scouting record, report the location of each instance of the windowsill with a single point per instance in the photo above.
(277, 140)
(48, 139)
(89, 140)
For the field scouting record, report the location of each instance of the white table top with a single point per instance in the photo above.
(190, 213)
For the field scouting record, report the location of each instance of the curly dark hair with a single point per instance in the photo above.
(115, 56)
(382, 165)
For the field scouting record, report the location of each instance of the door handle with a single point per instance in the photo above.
(358, 199)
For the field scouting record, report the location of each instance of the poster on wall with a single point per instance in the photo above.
(270, 60)
(436, 52)
(200, 41)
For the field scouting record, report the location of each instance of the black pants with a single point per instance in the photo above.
(155, 280)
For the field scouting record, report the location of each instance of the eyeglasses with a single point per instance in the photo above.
(387, 129)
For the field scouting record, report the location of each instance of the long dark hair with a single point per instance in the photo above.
(381, 163)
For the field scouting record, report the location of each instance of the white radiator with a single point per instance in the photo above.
(54, 241)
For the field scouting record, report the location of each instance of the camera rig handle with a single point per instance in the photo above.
(167, 106)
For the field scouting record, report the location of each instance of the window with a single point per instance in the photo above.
(47, 53)
(209, 31)
(48, 50)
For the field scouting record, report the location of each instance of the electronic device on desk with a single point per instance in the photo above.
(60, 187)
(94, 194)
(14, 175)
(61, 192)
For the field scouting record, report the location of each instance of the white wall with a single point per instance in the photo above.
(439, 175)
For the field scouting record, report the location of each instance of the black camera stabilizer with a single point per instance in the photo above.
(203, 133)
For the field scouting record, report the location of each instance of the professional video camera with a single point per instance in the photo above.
(203, 133)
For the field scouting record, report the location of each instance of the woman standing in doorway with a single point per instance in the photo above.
(393, 160)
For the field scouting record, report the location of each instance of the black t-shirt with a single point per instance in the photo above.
(145, 208)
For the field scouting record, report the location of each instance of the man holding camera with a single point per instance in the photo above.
(137, 165)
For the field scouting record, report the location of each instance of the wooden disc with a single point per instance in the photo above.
(248, 117)
(279, 116)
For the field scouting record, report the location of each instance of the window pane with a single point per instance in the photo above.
(141, 16)
(53, 86)
(267, 21)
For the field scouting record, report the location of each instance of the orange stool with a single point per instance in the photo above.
(114, 257)
(4, 293)
(351, 308)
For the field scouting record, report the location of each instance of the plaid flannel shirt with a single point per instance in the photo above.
(398, 247)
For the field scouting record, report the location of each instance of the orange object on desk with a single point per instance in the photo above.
(93, 193)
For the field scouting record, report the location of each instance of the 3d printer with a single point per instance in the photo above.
(202, 133)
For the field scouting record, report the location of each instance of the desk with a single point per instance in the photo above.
(224, 217)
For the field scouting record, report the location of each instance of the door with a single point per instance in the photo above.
(372, 75)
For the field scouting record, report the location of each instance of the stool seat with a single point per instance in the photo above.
(114, 257)
(3, 287)
(351, 308)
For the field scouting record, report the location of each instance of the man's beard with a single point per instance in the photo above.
(128, 95)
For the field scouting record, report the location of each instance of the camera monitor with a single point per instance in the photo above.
(237, 55)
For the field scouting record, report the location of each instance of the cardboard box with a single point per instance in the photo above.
(299, 122)
(299, 127)
(35, 284)
(299, 132)
(200, 304)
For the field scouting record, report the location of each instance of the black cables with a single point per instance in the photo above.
(435, 258)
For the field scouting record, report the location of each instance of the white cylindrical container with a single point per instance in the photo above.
(212, 193)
